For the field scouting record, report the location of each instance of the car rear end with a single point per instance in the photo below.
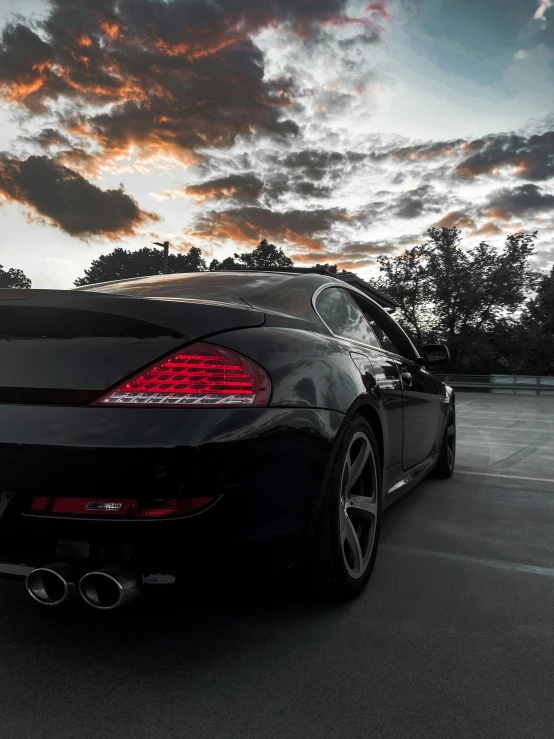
(132, 443)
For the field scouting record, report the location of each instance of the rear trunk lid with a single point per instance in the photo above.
(69, 346)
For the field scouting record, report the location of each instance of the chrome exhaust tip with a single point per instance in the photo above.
(109, 588)
(53, 584)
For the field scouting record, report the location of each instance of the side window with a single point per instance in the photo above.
(389, 339)
(345, 319)
(386, 342)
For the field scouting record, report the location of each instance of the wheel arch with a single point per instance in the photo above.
(371, 415)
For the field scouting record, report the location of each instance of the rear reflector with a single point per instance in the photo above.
(118, 507)
(200, 375)
(16, 294)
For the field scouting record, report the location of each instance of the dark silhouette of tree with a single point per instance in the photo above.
(264, 256)
(459, 296)
(227, 263)
(121, 264)
(538, 328)
(332, 268)
(14, 278)
(404, 279)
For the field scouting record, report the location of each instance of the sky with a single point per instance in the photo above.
(340, 130)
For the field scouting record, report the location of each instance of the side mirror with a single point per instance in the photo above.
(435, 353)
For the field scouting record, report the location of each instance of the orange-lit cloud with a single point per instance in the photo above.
(248, 225)
(528, 199)
(353, 255)
(112, 29)
(244, 187)
(530, 158)
(427, 151)
(381, 8)
(489, 228)
(456, 219)
(177, 77)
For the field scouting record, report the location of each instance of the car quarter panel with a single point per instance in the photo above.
(314, 370)
(306, 368)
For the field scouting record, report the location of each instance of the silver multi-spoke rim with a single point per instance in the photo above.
(359, 505)
(451, 442)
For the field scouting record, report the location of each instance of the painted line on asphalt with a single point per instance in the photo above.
(480, 442)
(507, 477)
(544, 418)
(493, 563)
(527, 429)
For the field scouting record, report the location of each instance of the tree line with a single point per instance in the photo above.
(495, 313)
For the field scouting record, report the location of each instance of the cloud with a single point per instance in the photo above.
(161, 75)
(415, 203)
(67, 200)
(249, 224)
(541, 10)
(529, 158)
(456, 219)
(316, 164)
(285, 184)
(49, 137)
(523, 200)
(355, 255)
(430, 150)
(489, 228)
(245, 187)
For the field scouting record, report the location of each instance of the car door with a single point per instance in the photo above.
(380, 370)
(420, 389)
(421, 401)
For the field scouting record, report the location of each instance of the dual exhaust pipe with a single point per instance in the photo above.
(104, 589)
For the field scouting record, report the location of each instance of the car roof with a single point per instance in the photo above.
(235, 284)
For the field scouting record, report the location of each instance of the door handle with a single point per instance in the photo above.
(407, 379)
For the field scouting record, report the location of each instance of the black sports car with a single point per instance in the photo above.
(155, 428)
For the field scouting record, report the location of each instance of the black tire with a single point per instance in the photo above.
(333, 561)
(447, 454)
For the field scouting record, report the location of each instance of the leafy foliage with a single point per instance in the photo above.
(122, 264)
(264, 256)
(461, 296)
(14, 278)
(538, 327)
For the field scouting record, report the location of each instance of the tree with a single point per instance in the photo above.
(538, 328)
(264, 256)
(332, 268)
(14, 278)
(459, 296)
(121, 264)
(404, 279)
(227, 263)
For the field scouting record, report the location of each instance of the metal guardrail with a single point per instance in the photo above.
(502, 384)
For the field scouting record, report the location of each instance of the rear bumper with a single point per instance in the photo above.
(265, 465)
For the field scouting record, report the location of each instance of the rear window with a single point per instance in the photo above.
(228, 286)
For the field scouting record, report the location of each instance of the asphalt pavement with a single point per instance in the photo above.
(454, 637)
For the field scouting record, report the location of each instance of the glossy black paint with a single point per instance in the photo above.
(265, 467)
(69, 346)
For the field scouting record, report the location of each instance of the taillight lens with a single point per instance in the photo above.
(200, 375)
(119, 507)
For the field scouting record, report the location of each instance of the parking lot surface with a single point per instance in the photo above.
(454, 637)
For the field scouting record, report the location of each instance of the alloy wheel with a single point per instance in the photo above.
(359, 505)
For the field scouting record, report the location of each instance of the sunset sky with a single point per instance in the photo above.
(338, 130)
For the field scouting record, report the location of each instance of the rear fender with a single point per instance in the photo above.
(307, 369)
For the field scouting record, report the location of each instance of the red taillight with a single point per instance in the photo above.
(119, 507)
(200, 375)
